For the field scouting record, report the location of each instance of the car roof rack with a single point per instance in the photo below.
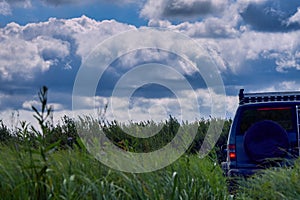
(249, 98)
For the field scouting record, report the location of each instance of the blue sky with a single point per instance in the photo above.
(38, 10)
(254, 44)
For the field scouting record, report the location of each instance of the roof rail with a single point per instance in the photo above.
(248, 98)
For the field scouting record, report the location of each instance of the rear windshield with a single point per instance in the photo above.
(282, 116)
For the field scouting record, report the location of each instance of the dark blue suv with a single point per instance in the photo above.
(264, 132)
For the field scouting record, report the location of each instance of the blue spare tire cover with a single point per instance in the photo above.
(266, 139)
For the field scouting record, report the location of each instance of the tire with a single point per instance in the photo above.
(266, 140)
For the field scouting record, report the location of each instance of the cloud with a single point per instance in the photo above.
(279, 87)
(168, 9)
(208, 28)
(80, 2)
(282, 48)
(289, 86)
(37, 47)
(62, 2)
(271, 16)
(47, 53)
(224, 25)
(6, 5)
(227, 19)
(22, 58)
(143, 109)
(142, 56)
(19, 3)
(238, 54)
(12, 118)
(159, 109)
(241, 51)
(4, 99)
(206, 98)
(12, 100)
(5, 8)
(246, 53)
(27, 105)
(295, 18)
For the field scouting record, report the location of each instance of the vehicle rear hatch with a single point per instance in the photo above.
(283, 114)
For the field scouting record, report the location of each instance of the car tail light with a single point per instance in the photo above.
(231, 152)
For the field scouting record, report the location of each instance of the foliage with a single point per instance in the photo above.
(4, 133)
(43, 163)
(274, 183)
(47, 162)
(73, 174)
(65, 133)
(166, 131)
(163, 134)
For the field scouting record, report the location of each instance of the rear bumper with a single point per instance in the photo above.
(231, 171)
(242, 172)
(233, 175)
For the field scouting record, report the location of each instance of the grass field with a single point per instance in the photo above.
(41, 163)
(74, 174)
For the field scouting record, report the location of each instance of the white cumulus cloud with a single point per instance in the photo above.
(295, 18)
(5, 8)
(36, 47)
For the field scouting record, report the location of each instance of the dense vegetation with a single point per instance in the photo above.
(50, 162)
(64, 134)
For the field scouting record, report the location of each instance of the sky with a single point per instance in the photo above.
(253, 44)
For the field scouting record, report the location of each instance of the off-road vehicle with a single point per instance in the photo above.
(264, 132)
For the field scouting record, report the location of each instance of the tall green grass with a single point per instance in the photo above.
(275, 183)
(41, 163)
(74, 174)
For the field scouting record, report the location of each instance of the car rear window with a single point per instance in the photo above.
(282, 116)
